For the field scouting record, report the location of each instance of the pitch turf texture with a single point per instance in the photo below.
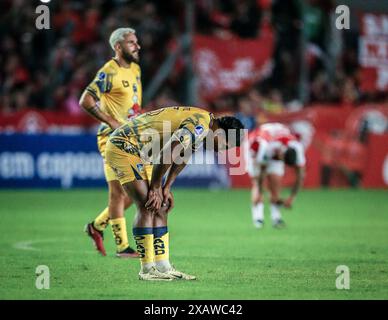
(211, 236)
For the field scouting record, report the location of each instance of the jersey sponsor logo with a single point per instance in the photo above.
(159, 247)
(198, 130)
(139, 240)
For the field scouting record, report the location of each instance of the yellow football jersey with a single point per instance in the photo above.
(160, 125)
(118, 90)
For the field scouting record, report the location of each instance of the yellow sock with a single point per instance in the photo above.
(161, 248)
(119, 228)
(102, 220)
(144, 240)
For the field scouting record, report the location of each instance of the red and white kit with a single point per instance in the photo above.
(263, 145)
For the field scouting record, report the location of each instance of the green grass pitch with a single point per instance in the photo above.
(211, 236)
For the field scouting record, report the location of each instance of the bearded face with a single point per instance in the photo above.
(129, 48)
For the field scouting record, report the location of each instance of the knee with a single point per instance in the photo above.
(163, 211)
(256, 195)
(118, 196)
(257, 198)
(127, 202)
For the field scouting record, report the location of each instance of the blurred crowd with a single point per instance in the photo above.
(49, 69)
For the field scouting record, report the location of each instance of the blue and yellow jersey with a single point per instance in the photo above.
(118, 91)
(188, 124)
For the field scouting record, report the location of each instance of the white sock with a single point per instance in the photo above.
(275, 212)
(163, 265)
(146, 267)
(258, 212)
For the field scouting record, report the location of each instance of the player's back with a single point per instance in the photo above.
(162, 123)
(274, 131)
(269, 138)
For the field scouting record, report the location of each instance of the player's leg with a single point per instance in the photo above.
(135, 184)
(162, 248)
(274, 186)
(95, 229)
(161, 241)
(257, 205)
(143, 234)
(275, 175)
(102, 220)
(118, 203)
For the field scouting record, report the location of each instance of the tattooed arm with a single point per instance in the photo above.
(89, 104)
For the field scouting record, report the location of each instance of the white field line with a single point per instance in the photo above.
(30, 245)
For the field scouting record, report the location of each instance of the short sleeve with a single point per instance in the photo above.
(102, 83)
(193, 131)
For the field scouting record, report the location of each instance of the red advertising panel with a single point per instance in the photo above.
(376, 171)
(230, 65)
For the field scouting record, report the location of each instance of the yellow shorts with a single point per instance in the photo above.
(102, 138)
(127, 167)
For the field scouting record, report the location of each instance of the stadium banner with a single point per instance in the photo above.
(68, 161)
(34, 121)
(50, 161)
(230, 65)
(373, 52)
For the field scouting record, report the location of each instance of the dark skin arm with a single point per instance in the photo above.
(172, 174)
(89, 104)
(155, 193)
(300, 173)
(158, 196)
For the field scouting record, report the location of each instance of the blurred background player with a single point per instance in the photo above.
(267, 150)
(188, 127)
(113, 97)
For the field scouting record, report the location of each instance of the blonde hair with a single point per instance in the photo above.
(118, 35)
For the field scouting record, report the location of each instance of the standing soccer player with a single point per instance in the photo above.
(161, 141)
(267, 150)
(113, 97)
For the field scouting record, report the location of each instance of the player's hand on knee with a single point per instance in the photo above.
(168, 199)
(154, 200)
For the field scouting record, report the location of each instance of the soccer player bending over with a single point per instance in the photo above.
(267, 150)
(163, 140)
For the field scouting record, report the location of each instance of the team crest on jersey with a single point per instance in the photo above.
(198, 130)
(134, 88)
(140, 167)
